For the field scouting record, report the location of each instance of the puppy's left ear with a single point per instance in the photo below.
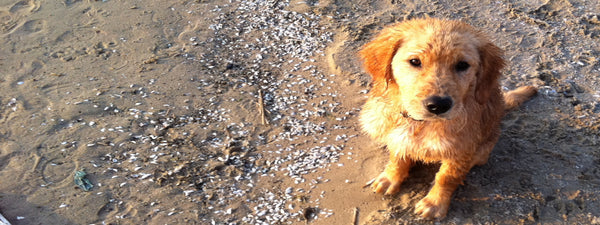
(489, 71)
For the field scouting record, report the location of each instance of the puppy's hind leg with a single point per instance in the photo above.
(483, 151)
(483, 154)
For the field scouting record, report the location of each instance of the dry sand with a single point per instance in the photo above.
(160, 102)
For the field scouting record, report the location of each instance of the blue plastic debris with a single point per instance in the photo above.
(81, 180)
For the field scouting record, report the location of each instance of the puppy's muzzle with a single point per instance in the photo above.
(438, 105)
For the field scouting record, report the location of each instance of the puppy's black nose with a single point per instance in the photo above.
(438, 105)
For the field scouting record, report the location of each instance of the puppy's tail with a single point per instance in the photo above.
(514, 98)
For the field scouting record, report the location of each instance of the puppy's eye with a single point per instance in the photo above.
(415, 62)
(462, 66)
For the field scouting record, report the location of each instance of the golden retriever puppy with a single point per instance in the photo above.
(435, 97)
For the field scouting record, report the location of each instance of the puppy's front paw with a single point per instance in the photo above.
(432, 207)
(388, 183)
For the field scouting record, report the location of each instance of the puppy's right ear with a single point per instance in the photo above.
(377, 57)
(489, 72)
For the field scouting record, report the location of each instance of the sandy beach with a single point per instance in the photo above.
(245, 112)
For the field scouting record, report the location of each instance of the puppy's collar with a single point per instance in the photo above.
(406, 115)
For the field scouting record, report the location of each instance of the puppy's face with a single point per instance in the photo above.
(436, 69)
(431, 68)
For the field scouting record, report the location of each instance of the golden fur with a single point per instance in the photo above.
(413, 62)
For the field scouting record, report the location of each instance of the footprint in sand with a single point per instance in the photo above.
(10, 17)
(31, 27)
(191, 35)
(34, 26)
(25, 7)
(372, 164)
(55, 171)
(8, 149)
(7, 22)
(24, 70)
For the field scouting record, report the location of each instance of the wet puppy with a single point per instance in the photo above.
(435, 97)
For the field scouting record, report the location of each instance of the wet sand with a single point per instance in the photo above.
(200, 112)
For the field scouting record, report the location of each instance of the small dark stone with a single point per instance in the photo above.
(309, 213)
